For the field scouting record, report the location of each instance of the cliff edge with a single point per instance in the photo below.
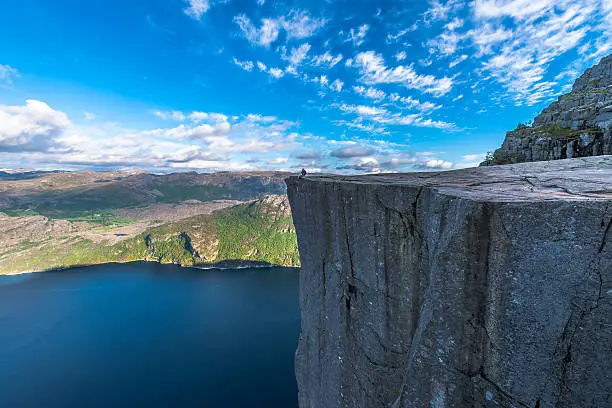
(578, 124)
(486, 287)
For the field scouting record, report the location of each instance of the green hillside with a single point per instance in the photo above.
(260, 231)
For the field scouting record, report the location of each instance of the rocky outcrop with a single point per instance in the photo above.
(578, 124)
(275, 205)
(486, 287)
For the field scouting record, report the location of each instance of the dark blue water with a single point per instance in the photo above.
(147, 335)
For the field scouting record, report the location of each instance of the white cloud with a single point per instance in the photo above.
(245, 65)
(394, 38)
(364, 164)
(89, 115)
(324, 82)
(457, 61)
(337, 85)
(352, 151)
(359, 124)
(408, 102)
(419, 121)
(212, 117)
(374, 71)
(297, 55)
(169, 115)
(190, 154)
(278, 160)
(41, 136)
(606, 11)
(438, 164)
(7, 73)
(470, 160)
(400, 56)
(32, 127)
(256, 118)
(454, 24)
(363, 110)
(517, 9)
(473, 157)
(385, 117)
(264, 35)
(441, 10)
(307, 155)
(517, 41)
(486, 37)
(446, 43)
(370, 92)
(357, 35)
(298, 24)
(197, 8)
(327, 60)
(402, 102)
(195, 116)
(276, 72)
(202, 132)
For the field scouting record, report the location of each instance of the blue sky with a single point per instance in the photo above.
(330, 85)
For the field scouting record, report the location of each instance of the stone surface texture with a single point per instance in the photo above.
(578, 124)
(486, 287)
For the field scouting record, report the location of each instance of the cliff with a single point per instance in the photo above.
(486, 287)
(578, 124)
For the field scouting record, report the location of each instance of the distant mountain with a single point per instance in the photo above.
(578, 124)
(81, 218)
(23, 174)
(59, 194)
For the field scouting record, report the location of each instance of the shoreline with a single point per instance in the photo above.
(218, 266)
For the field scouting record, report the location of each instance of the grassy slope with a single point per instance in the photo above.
(246, 232)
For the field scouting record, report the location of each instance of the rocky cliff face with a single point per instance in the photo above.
(487, 287)
(578, 124)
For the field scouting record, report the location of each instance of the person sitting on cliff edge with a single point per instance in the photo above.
(303, 173)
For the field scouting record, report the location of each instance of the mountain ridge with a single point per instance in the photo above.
(578, 124)
(58, 220)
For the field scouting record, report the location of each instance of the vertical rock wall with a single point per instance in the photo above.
(422, 291)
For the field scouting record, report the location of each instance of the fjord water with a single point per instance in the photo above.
(149, 335)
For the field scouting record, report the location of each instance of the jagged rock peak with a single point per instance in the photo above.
(578, 124)
(275, 204)
(599, 76)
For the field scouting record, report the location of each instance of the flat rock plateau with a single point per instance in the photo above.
(486, 287)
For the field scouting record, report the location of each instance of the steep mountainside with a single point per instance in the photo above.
(578, 124)
(442, 290)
